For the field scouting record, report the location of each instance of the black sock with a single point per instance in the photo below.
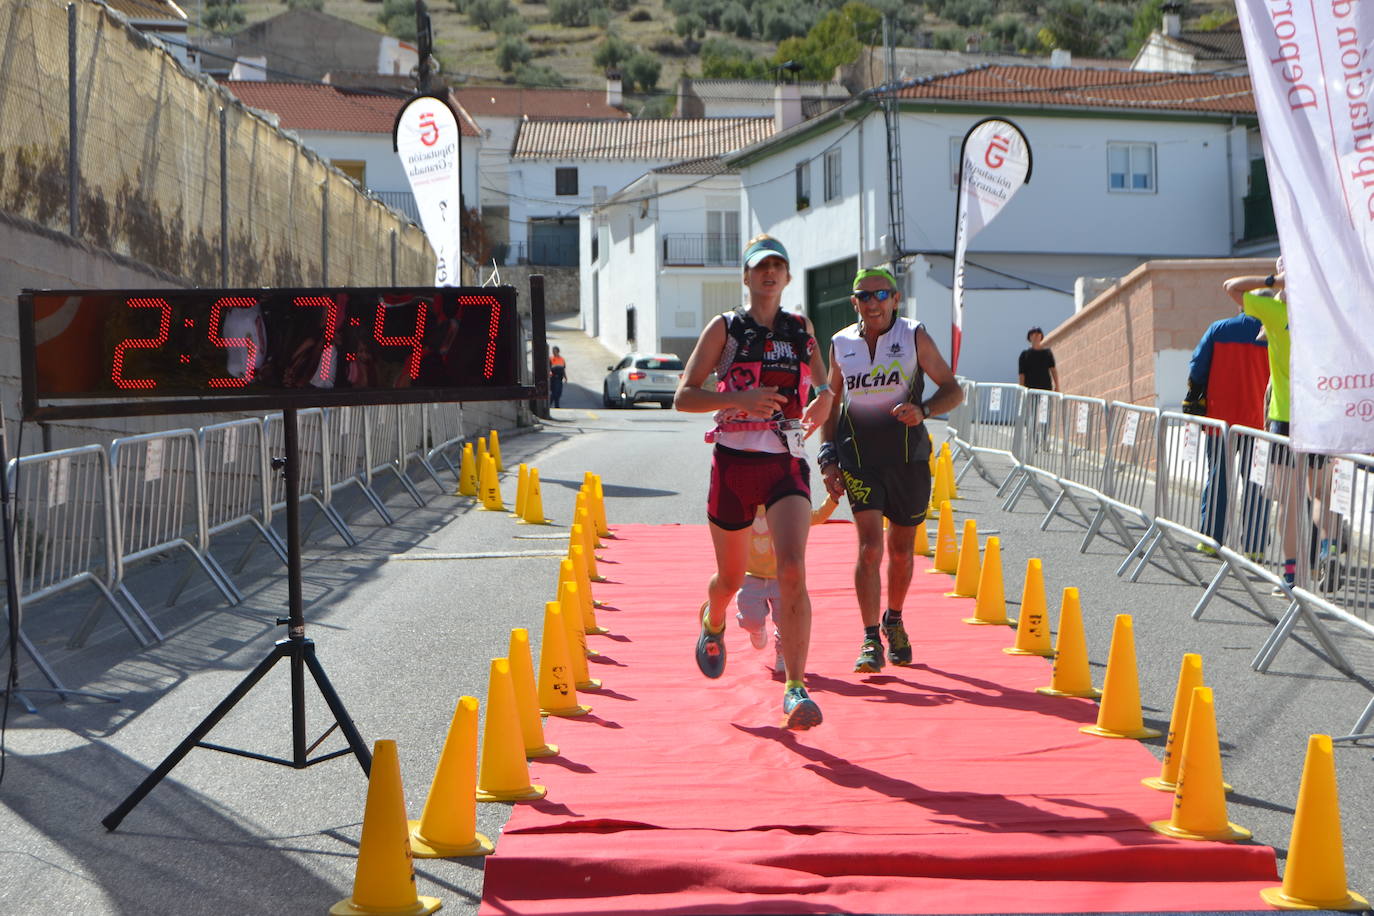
(871, 634)
(891, 617)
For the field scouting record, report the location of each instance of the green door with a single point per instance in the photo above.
(827, 300)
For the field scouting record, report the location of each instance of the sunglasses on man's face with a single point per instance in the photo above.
(882, 295)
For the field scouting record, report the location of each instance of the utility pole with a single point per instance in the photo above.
(424, 38)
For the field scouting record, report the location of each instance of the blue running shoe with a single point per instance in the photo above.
(710, 648)
(800, 710)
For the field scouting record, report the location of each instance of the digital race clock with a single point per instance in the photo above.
(115, 352)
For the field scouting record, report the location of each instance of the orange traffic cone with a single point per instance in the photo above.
(504, 776)
(966, 579)
(522, 486)
(1314, 878)
(946, 549)
(568, 571)
(557, 680)
(1033, 626)
(527, 696)
(534, 502)
(384, 881)
(494, 449)
(603, 527)
(490, 486)
(921, 546)
(1072, 677)
(1119, 714)
(467, 472)
(447, 828)
(991, 607)
(569, 599)
(1189, 676)
(1200, 800)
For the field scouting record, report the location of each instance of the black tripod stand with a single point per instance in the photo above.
(295, 648)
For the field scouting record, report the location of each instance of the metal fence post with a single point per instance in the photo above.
(73, 164)
(223, 197)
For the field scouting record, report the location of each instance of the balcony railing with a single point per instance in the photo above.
(704, 250)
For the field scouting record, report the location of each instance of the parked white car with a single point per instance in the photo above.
(642, 377)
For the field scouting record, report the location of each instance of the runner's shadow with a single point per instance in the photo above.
(605, 660)
(593, 719)
(608, 693)
(871, 688)
(565, 763)
(965, 809)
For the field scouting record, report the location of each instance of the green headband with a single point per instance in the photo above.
(875, 272)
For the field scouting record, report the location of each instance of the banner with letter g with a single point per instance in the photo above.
(1310, 66)
(427, 140)
(994, 162)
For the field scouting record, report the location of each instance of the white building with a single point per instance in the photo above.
(1174, 49)
(662, 257)
(520, 227)
(1127, 166)
(722, 98)
(351, 129)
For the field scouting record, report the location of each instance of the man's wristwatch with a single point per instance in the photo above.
(925, 411)
(1269, 280)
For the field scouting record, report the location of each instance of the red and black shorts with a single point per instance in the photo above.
(900, 491)
(743, 481)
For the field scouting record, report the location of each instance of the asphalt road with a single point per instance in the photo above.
(407, 621)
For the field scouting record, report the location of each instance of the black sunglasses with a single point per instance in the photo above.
(882, 295)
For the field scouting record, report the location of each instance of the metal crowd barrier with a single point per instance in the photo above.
(385, 454)
(313, 467)
(158, 504)
(346, 458)
(1161, 480)
(443, 431)
(414, 446)
(234, 468)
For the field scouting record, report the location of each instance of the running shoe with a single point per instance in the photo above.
(1282, 591)
(758, 634)
(898, 644)
(800, 710)
(710, 648)
(870, 657)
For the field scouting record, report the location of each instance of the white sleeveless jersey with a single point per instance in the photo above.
(868, 434)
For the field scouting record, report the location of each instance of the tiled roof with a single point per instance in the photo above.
(143, 10)
(313, 106)
(1218, 44)
(1080, 87)
(710, 165)
(639, 138)
(506, 102)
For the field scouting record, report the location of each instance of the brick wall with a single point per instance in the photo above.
(1109, 348)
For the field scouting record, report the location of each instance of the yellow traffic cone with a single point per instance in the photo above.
(534, 502)
(921, 546)
(946, 549)
(527, 696)
(577, 539)
(966, 579)
(557, 681)
(603, 527)
(568, 599)
(589, 503)
(1200, 800)
(568, 572)
(1119, 714)
(991, 606)
(939, 491)
(1033, 626)
(582, 514)
(384, 881)
(491, 487)
(481, 450)
(447, 827)
(494, 449)
(947, 468)
(1072, 676)
(1314, 878)
(522, 486)
(467, 472)
(1189, 676)
(504, 776)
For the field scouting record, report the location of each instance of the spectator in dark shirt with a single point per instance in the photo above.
(1035, 368)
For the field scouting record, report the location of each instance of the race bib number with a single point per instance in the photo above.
(796, 442)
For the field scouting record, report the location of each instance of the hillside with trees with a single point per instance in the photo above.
(653, 42)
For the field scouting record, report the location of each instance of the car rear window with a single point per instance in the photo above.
(659, 362)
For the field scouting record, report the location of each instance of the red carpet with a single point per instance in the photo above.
(946, 787)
